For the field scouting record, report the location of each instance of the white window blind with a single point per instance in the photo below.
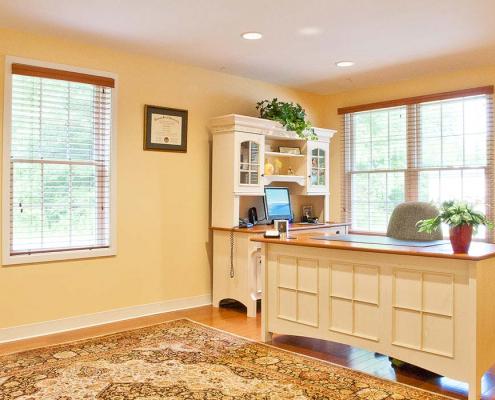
(60, 154)
(431, 148)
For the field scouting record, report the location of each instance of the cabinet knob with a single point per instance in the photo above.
(262, 174)
(337, 233)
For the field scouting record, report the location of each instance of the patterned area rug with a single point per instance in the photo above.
(184, 360)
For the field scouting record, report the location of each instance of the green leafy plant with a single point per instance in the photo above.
(291, 116)
(454, 214)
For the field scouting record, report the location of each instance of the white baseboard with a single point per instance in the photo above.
(104, 317)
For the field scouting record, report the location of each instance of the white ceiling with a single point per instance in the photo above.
(388, 39)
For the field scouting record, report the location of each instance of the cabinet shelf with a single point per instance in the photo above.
(300, 180)
(278, 154)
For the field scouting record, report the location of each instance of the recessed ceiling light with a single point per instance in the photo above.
(252, 35)
(344, 64)
(310, 31)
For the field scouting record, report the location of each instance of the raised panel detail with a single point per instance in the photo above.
(438, 293)
(287, 304)
(298, 290)
(407, 326)
(366, 284)
(307, 308)
(354, 300)
(307, 279)
(287, 272)
(366, 320)
(424, 311)
(408, 289)
(438, 334)
(341, 315)
(341, 281)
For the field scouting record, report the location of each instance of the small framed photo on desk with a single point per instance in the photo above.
(282, 225)
(165, 129)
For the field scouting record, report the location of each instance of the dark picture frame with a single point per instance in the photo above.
(165, 129)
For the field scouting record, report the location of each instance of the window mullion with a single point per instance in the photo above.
(98, 190)
(11, 233)
(42, 168)
(389, 166)
(371, 141)
(441, 135)
(42, 205)
(100, 172)
(412, 138)
(70, 205)
(463, 135)
(369, 204)
(67, 124)
(348, 167)
(489, 166)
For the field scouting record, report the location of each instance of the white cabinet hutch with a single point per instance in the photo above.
(242, 147)
(249, 150)
(317, 166)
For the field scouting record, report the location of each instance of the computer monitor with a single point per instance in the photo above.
(277, 203)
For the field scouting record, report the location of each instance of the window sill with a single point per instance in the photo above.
(57, 256)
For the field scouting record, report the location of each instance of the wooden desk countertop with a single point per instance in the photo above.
(477, 251)
(292, 227)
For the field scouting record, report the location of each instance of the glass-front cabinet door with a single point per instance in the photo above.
(317, 167)
(250, 159)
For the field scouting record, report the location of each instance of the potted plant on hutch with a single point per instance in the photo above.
(291, 116)
(462, 221)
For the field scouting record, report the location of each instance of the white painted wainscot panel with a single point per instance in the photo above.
(436, 313)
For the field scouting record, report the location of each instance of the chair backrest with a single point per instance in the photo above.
(402, 224)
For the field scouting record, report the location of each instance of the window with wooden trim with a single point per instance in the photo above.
(58, 159)
(430, 148)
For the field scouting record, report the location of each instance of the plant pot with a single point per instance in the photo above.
(460, 237)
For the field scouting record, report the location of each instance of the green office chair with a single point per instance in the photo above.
(402, 226)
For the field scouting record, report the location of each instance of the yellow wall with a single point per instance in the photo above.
(163, 198)
(415, 87)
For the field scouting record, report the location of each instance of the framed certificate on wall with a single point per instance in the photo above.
(165, 129)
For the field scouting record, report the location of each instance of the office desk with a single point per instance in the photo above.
(423, 305)
(236, 261)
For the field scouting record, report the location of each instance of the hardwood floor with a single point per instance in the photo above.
(233, 319)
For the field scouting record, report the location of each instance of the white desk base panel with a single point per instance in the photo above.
(436, 313)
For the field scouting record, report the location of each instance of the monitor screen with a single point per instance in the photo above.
(277, 203)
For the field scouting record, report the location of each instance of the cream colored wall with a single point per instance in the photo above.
(414, 87)
(163, 198)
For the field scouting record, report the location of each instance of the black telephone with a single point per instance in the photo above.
(244, 223)
(309, 220)
(253, 215)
